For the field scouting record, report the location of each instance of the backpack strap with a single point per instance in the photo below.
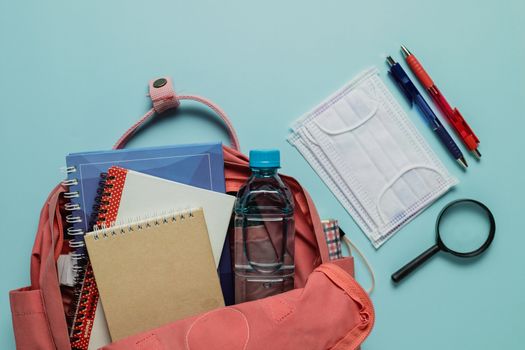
(163, 98)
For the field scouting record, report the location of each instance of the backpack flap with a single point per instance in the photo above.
(331, 312)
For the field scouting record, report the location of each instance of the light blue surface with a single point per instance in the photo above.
(73, 76)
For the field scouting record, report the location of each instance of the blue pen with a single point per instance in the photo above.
(414, 96)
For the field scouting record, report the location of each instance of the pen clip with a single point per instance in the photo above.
(401, 86)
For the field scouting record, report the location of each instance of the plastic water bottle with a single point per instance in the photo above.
(264, 231)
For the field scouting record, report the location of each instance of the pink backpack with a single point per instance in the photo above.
(327, 310)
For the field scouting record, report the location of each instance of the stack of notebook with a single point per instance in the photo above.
(162, 268)
(125, 197)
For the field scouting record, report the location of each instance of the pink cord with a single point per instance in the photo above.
(163, 98)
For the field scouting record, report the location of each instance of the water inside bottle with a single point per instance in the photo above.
(264, 238)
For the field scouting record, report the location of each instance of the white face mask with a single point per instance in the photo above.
(362, 144)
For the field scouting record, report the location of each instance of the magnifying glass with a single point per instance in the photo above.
(464, 228)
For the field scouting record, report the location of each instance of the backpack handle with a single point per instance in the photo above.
(163, 97)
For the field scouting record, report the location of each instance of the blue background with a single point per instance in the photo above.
(73, 77)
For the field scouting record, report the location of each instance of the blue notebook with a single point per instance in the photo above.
(200, 165)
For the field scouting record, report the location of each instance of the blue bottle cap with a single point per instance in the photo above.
(260, 158)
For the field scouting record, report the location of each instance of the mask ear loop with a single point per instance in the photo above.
(369, 116)
(396, 178)
(352, 247)
(365, 118)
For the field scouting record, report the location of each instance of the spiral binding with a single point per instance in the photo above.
(77, 245)
(104, 193)
(141, 224)
(72, 208)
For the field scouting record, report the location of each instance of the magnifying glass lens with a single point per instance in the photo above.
(464, 228)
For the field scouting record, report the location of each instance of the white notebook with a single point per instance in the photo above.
(142, 195)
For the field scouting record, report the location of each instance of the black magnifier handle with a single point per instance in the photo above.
(411, 266)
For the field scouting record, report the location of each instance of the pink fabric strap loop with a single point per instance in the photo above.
(163, 97)
(162, 94)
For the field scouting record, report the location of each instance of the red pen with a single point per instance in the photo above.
(453, 116)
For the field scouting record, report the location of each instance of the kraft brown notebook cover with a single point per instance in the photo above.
(155, 271)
